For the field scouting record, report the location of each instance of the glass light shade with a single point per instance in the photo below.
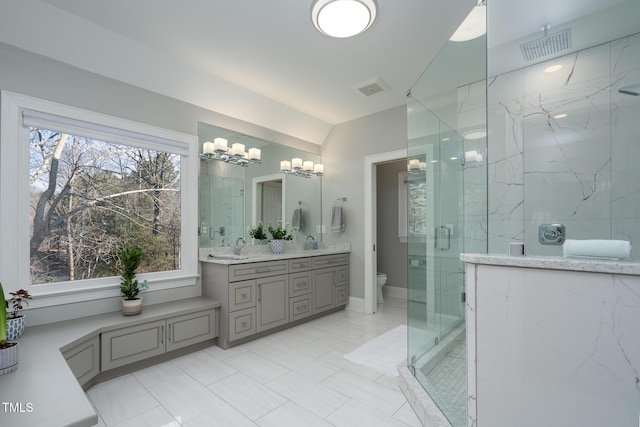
(414, 164)
(208, 147)
(285, 165)
(254, 153)
(220, 144)
(307, 166)
(343, 18)
(318, 168)
(473, 26)
(296, 163)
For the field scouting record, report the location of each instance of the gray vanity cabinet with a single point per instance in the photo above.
(258, 296)
(84, 358)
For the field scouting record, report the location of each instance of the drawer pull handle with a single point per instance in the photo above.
(162, 334)
(263, 270)
(244, 296)
(303, 307)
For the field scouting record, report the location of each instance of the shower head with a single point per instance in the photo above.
(547, 45)
(631, 90)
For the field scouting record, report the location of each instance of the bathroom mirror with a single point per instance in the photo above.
(232, 198)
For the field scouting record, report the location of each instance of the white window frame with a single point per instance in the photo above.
(14, 198)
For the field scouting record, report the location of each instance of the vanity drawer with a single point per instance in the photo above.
(242, 295)
(299, 284)
(300, 307)
(256, 270)
(330, 260)
(242, 323)
(299, 264)
(342, 276)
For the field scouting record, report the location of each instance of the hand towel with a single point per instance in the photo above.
(296, 221)
(338, 223)
(610, 249)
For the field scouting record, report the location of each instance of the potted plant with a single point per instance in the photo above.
(258, 234)
(279, 235)
(127, 263)
(16, 321)
(8, 349)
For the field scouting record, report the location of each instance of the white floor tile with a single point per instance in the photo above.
(366, 391)
(407, 416)
(157, 373)
(155, 417)
(247, 395)
(292, 415)
(185, 398)
(122, 398)
(255, 366)
(221, 354)
(204, 368)
(314, 368)
(336, 358)
(355, 414)
(310, 395)
(223, 416)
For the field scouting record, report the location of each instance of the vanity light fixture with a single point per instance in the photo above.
(298, 167)
(474, 25)
(236, 155)
(343, 18)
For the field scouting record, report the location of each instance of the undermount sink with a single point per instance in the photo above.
(227, 256)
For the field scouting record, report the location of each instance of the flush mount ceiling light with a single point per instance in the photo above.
(553, 68)
(343, 18)
(473, 26)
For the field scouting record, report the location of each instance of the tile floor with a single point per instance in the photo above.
(297, 377)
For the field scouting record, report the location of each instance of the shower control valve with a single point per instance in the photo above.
(551, 234)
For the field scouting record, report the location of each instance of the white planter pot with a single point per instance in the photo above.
(9, 359)
(277, 246)
(131, 307)
(15, 327)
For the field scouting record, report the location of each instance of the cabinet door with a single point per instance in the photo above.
(190, 329)
(273, 302)
(323, 289)
(84, 359)
(128, 345)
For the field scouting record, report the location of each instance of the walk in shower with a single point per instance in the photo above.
(559, 127)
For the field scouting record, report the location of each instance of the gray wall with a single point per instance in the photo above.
(391, 252)
(343, 155)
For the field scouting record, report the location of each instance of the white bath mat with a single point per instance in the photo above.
(383, 353)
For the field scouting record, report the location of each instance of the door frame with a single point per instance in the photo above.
(370, 224)
(254, 194)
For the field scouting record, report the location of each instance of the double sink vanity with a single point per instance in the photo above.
(264, 292)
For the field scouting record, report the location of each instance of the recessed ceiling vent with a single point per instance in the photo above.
(371, 87)
(547, 45)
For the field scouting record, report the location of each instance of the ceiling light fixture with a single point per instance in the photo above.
(552, 68)
(473, 26)
(343, 18)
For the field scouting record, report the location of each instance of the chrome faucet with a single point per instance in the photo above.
(238, 248)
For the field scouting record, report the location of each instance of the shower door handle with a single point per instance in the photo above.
(443, 238)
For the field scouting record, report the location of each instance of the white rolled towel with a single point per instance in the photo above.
(611, 249)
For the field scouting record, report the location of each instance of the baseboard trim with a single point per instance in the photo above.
(356, 304)
(395, 292)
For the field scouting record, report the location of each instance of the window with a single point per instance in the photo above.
(76, 186)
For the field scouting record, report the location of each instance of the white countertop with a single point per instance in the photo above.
(556, 263)
(260, 253)
(43, 377)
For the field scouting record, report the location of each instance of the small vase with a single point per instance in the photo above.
(277, 246)
(9, 358)
(131, 307)
(15, 327)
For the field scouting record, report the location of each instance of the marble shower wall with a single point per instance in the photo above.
(563, 148)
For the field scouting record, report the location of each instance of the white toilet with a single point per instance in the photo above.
(381, 280)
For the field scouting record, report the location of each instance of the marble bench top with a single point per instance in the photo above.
(556, 263)
(45, 382)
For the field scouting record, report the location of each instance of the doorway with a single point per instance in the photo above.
(370, 225)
